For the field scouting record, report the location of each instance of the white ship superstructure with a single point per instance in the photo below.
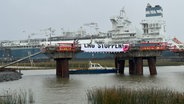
(122, 29)
(122, 32)
(153, 25)
(81, 36)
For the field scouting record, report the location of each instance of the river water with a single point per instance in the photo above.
(49, 89)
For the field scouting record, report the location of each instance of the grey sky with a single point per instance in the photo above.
(33, 15)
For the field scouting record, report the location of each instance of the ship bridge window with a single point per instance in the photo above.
(145, 26)
(109, 34)
(126, 30)
(132, 34)
(97, 65)
(150, 25)
(156, 24)
(145, 31)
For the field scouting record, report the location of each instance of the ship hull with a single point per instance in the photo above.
(95, 71)
(11, 54)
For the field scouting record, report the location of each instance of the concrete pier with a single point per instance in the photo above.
(62, 67)
(132, 69)
(152, 65)
(139, 65)
(116, 62)
(121, 66)
(62, 54)
(62, 61)
(136, 65)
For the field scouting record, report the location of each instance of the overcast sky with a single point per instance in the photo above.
(31, 16)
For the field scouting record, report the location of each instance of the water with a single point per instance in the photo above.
(48, 89)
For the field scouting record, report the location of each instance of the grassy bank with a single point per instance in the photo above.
(17, 97)
(128, 96)
(83, 64)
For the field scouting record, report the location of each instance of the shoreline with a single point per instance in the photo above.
(7, 74)
(14, 72)
(83, 64)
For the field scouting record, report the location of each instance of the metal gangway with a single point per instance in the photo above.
(11, 63)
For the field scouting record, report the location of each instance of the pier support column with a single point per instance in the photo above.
(116, 62)
(139, 65)
(132, 67)
(152, 65)
(121, 66)
(62, 67)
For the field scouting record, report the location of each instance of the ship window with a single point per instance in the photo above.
(131, 34)
(156, 24)
(145, 25)
(92, 65)
(145, 31)
(96, 65)
(153, 25)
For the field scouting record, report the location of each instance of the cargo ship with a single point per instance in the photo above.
(153, 36)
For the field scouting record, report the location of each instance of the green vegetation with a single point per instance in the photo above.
(83, 64)
(14, 97)
(111, 63)
(46, 64)
(169, 63)
(128, 96)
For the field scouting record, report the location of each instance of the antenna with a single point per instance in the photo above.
(122, 13)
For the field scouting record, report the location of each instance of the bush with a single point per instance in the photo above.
(128, 96)
(14, 97)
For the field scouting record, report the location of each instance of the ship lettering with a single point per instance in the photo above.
(89, 46)
(109, 46)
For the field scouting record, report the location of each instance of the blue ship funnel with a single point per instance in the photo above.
(156, 11)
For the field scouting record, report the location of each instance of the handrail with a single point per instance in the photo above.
(11, 63)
